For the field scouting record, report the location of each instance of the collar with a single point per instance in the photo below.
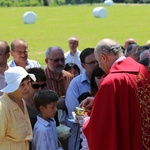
(77, 51)
(125, 65)
(44, 122)
(84, 77)
(50, 74)
(14, 64)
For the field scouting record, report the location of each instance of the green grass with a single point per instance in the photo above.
(56, 24)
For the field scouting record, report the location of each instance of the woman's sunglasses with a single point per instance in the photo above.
(37, 86)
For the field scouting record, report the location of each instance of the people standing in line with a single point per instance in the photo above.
(120, 110)
(4, 55)
(72, 68)
(44, 132)
(73, 55)
(19, 52)
(77, 86)
(15, 126)
(58, 80)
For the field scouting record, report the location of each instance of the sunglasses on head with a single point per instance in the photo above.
(37, 86)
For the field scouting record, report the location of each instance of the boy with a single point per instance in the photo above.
(44, 132)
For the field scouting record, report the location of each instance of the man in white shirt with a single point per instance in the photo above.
(73, 55)
(19, 52)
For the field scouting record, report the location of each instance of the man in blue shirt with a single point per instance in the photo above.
(77, 86)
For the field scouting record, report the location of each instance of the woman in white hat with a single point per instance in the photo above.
(15, 127)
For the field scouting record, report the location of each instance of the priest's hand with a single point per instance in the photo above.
(87, 103)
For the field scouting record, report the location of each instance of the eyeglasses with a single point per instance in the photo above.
(21, 52)
(57, 59)
(91, 62)
(37, 86)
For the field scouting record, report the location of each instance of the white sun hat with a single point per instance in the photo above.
(13, 77)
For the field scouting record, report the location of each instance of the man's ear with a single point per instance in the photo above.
(8, 55)
(41, 108)
(46, 60)
(83, 65)
(103, 56)
(11, 52)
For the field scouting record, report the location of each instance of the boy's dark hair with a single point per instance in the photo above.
(44, 97)
(86, 52)
(39, 74)
(26, 78)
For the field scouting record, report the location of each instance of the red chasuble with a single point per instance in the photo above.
(120, 118)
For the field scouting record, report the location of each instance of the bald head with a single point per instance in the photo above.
(73, 43)
(4, 47)
(145, 54)
(53, 49)
(19, 43)
(4, 55)
(107, 51)
(148, 43)
(73, 38)
(108, 46)
(128, 42)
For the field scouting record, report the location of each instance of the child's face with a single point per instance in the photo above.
(49, 111)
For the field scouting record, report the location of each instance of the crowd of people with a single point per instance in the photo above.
(110, 81)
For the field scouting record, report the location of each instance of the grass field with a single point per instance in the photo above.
(55, 25)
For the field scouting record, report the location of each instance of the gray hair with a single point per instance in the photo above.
(109, 48)
(49, 50)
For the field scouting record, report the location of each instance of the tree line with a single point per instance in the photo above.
(22, 3)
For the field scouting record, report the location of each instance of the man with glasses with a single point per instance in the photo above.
(57, 79)
(79, 85)
(19, 52)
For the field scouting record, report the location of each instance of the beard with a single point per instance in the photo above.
(59, 68)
